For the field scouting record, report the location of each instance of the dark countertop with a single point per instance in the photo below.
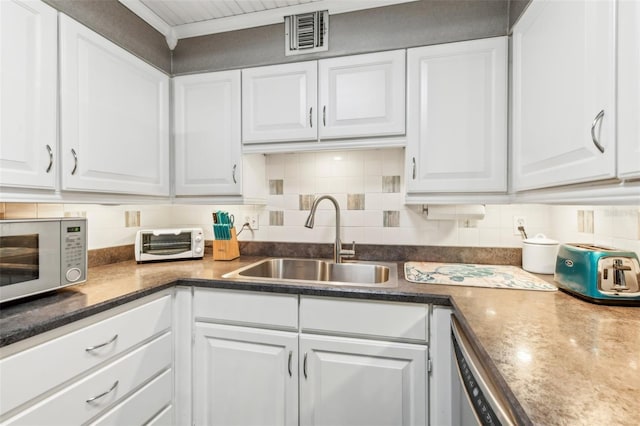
(559, 359)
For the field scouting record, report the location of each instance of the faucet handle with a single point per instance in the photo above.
(349, 253)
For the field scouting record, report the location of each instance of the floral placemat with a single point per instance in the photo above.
(496, 276)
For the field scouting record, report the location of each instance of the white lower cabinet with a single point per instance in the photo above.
(79, 402)
(145, 405)
(245, 376)
(106, 368)
(255, 362)
(362, 382)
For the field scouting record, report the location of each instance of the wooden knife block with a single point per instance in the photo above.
(226, 249)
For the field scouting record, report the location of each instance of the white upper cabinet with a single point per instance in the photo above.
(279, 103)
(628, 89)
(362, 95)
(457, 119)
(114, 117)
(207, 134)
(28, 103)
(564, 93)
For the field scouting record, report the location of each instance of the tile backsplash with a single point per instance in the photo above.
(369, 187)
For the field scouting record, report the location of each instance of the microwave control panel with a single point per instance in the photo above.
(74, 251)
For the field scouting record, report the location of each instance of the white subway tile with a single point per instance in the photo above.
(291, 165)
(489, 237)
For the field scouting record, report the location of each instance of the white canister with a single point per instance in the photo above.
(539, 254)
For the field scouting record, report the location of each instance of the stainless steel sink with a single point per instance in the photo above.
(320, 271)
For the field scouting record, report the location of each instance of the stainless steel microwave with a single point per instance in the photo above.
(38, 255)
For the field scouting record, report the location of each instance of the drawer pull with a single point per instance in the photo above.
(289, 364)
(111, 389)
(93, 348)
(304, 365)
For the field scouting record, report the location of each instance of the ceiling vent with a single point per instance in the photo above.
(306, 33)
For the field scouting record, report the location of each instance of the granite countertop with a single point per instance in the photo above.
(560, 360)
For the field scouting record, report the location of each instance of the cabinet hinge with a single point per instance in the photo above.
(429, 365)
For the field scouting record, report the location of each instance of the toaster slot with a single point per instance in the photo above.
(618, 275)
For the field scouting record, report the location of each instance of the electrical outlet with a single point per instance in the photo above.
(519, 221)
(252, 221)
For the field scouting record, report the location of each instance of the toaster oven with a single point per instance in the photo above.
(169, 244)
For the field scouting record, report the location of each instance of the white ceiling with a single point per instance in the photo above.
(176, 12)
(177, 19)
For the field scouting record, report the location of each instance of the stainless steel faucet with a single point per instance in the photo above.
(338, 251)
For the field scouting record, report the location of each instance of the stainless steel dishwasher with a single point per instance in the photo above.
(475, 398)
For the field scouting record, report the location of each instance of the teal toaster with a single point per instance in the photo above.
(598, 274)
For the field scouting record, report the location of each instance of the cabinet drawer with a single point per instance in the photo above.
(143, 406)
(74, 404)
(56, 361)
(164, 418)
(250, 308)
(387, 320)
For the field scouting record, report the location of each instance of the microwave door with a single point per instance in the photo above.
(29, 258)
(20, 259)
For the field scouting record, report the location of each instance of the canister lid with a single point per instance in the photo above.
(541, 239)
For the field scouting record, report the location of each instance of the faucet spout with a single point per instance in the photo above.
(338, 252)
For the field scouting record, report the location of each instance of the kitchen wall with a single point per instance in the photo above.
(516, 7)
(369, 186)
(412, 24)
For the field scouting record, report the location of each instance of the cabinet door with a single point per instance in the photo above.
(114, 117)
(564, 93)
(362, 95)
(362, 382)
(457, 123)
(244, 376)
(279, 103)
(28, 103)
(207, 134)
(628, 89)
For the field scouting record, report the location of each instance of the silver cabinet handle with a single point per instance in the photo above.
(289, 363)
(111, 389)
(101, 345)
(304, 365)
(324, 115)
(414, 168)
(233, 173)
(75, 161)
(50, 158)
(595, 140)
(311, 117)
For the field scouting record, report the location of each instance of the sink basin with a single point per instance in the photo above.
(319, 271)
